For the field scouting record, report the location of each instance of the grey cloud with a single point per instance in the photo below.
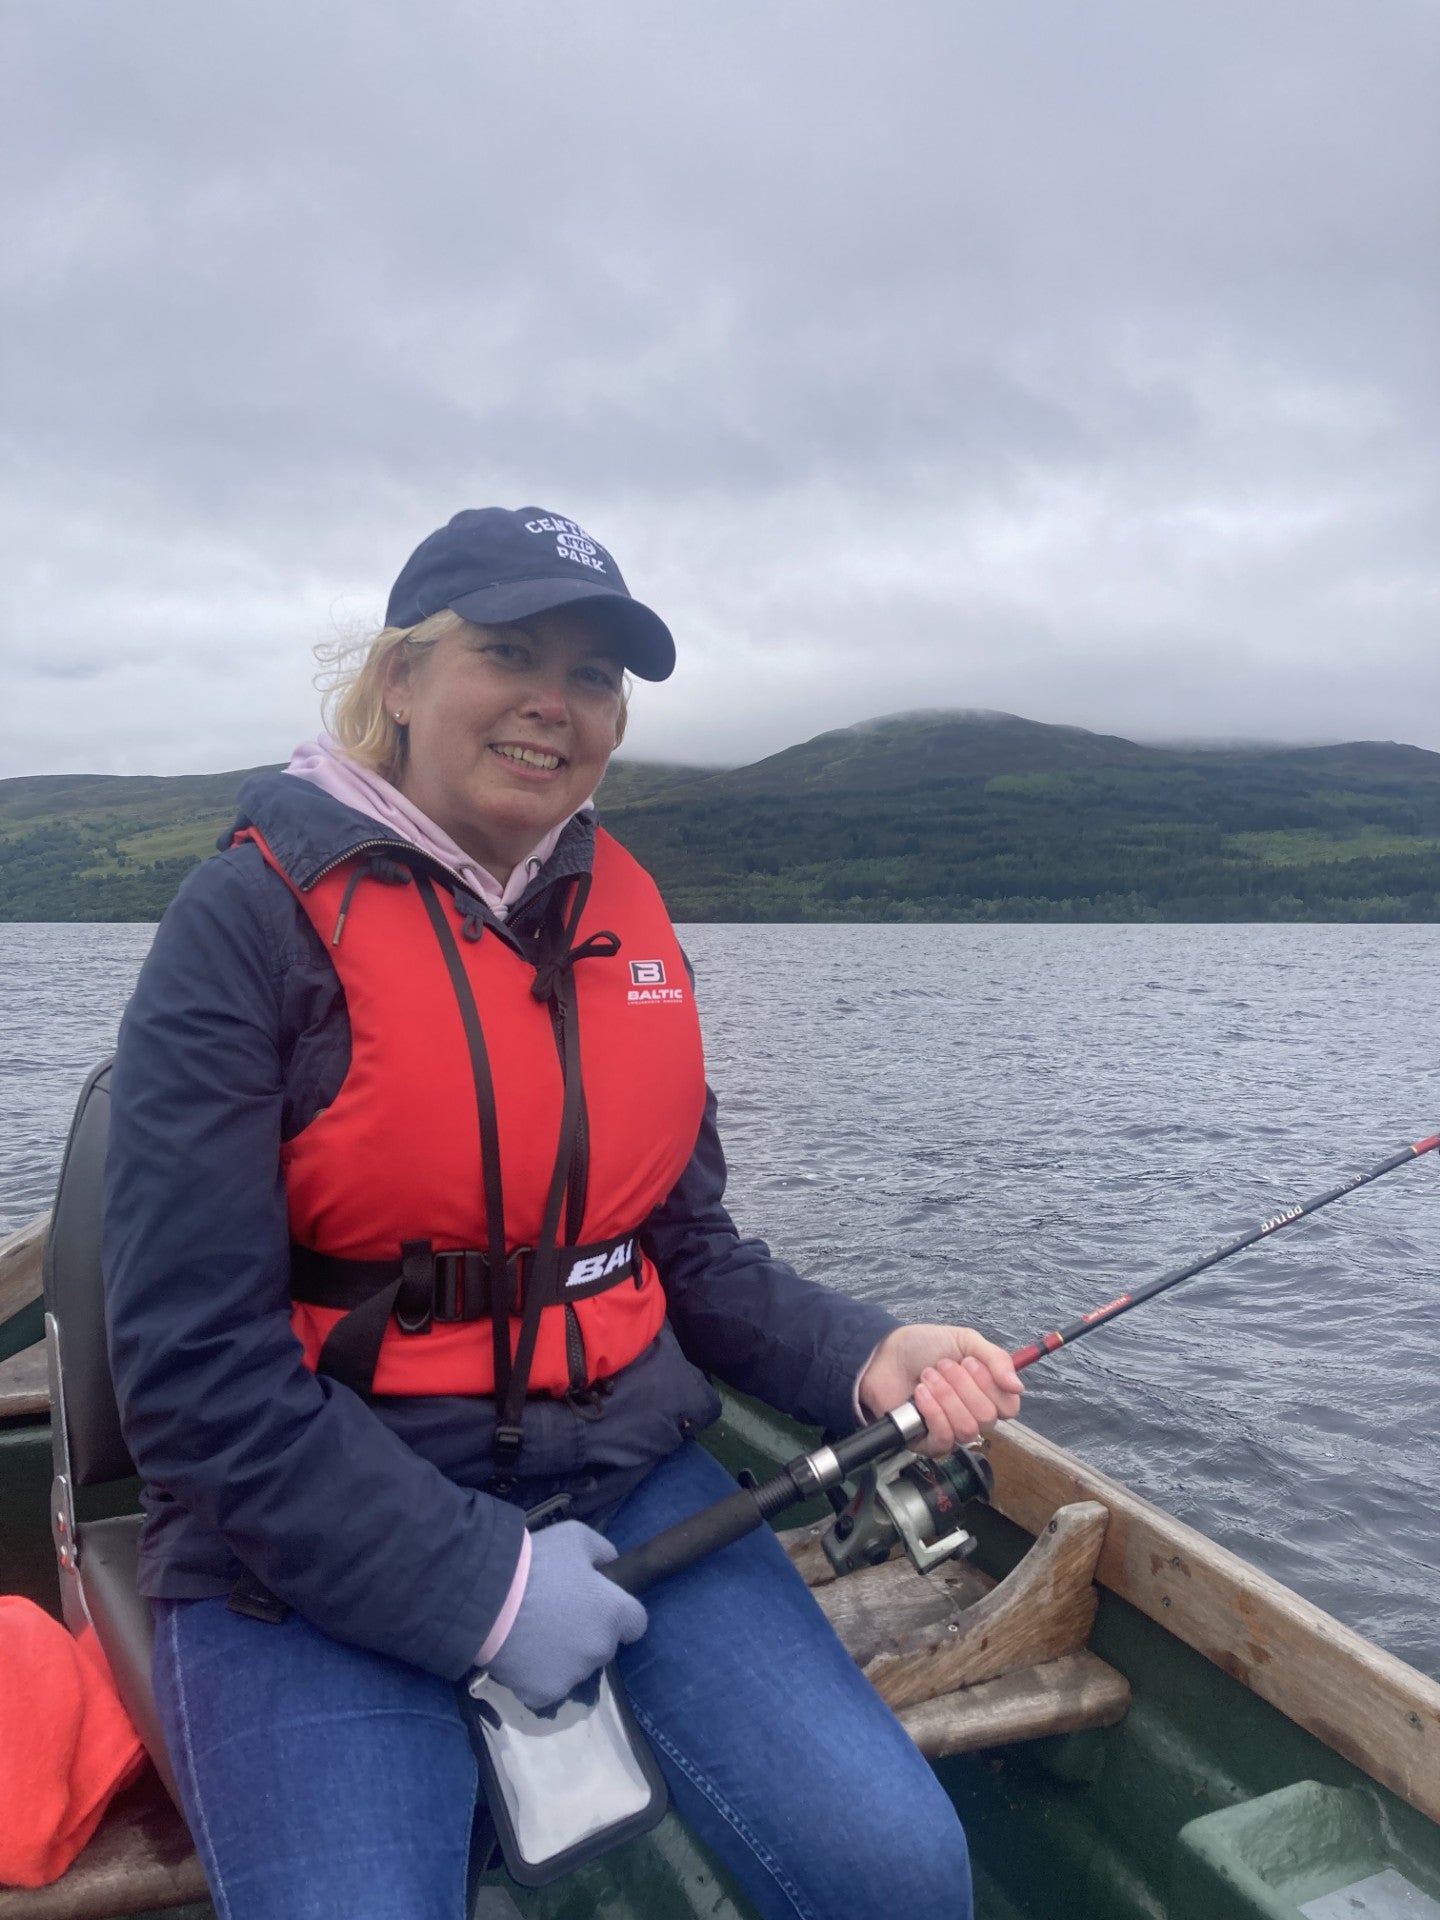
(1077, 361)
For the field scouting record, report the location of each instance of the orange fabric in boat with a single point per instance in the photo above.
(67, 1745)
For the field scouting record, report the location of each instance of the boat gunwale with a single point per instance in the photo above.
(1372, 1708)
(21, 1255)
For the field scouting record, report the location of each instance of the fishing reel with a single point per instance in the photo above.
(911, 1499)
(899, 1496)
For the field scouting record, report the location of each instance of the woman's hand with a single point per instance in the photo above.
(961, 1382)
(571, 1619)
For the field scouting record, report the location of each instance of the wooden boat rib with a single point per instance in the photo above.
(1271, 1755)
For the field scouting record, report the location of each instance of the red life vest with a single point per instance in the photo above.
(396, 1158)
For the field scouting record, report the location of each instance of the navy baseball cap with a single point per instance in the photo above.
(493, 566)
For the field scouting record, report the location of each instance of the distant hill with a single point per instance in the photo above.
(906, 750)
(920, 816)
(90, 846)
(977, 815)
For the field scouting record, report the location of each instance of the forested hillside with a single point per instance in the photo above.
(115, 847)
(967, 816)
(931, 816)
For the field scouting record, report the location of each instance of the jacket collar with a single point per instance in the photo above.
(310, 833)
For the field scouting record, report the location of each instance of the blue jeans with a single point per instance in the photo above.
(323, 1782)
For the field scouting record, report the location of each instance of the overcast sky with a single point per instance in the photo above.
(1074, 359)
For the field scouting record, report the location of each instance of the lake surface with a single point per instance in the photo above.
(1008, 1126)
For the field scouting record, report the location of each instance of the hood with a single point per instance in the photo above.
(310, 833)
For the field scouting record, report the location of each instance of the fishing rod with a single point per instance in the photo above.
(903, 1496)
(1067, 1336)
(894, 1501)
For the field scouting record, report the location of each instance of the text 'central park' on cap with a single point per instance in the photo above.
(492, 566)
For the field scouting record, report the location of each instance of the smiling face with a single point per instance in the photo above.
(508, 730)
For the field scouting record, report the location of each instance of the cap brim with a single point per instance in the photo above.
(642, 641)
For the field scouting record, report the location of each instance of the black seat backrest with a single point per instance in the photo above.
(75, 1293)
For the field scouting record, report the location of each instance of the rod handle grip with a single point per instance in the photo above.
(686, 1542)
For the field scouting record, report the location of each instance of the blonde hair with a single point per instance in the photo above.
(352, 684)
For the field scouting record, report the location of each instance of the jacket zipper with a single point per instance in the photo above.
(375, 846)
(363, 847)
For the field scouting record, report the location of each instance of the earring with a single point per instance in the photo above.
(399, 719)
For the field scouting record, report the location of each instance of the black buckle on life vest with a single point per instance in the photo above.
(444, 1288)
(514, 1279)
(462, 1286)
(504, 1452)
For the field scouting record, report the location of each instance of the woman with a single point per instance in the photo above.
(415, 1224)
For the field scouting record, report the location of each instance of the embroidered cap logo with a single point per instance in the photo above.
(571, 541)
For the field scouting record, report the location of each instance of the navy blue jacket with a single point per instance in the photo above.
(369, 1517)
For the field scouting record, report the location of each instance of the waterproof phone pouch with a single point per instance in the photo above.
(566, 1785)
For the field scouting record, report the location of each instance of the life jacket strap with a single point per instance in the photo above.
(429, 1287)
(442, 1285)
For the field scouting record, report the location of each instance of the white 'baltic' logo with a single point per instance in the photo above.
(599, 1264)
(648, 988)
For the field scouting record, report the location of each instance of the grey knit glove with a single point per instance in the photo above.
(571, 1618)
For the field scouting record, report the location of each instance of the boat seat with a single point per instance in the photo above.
(96, 1557)
(141, 1858)
(124, 1624)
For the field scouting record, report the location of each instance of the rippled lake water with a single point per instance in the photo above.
(1008, 1126)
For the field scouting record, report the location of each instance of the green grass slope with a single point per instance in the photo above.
(928, 816)
(106, 847)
